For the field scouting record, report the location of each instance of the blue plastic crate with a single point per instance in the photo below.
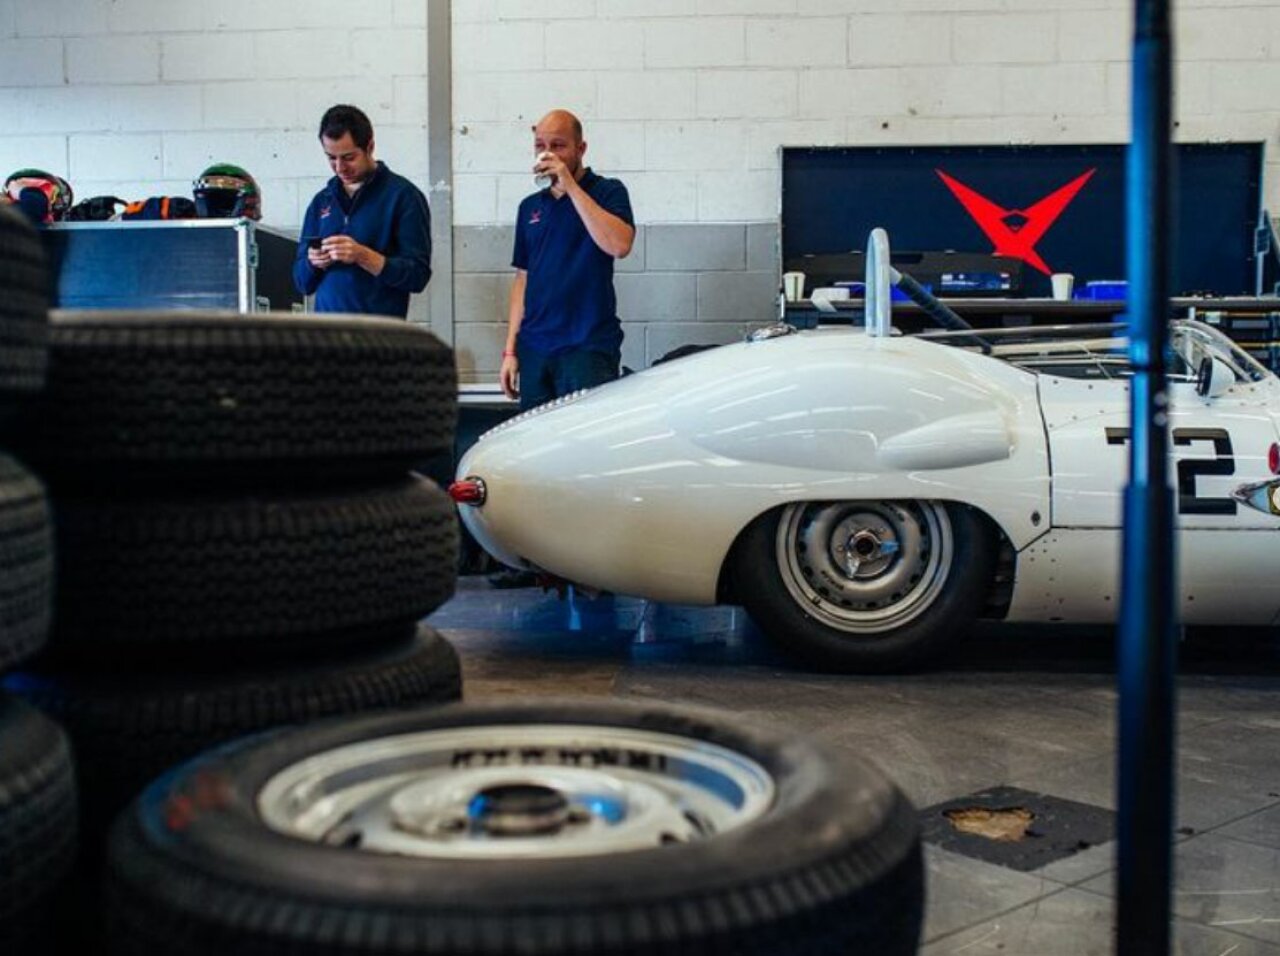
(1104, 290)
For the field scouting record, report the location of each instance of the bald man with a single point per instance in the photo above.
(563, 329)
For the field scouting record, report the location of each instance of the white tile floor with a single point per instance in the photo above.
(1033, 708)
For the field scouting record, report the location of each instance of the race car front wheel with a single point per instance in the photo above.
(865, 585)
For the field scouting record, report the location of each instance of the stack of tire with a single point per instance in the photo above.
(37, 786)
(241, 541)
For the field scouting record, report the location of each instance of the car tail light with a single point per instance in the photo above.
(1273, 458)
(468, 491)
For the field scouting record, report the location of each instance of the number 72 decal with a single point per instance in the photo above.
(1223, 462)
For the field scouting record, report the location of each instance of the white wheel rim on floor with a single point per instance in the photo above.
(516, 791)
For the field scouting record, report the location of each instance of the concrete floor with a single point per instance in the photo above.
(1027, 707)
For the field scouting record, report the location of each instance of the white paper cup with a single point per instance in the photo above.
(1062, 285)
(793, 286)
(543, 180)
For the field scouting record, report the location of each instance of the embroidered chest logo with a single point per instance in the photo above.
(535, 217)
(324, 212)
(1015, 232)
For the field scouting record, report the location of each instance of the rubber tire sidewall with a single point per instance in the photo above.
(126, 729)
(761, 589)
(37, 820)
(24, 310)
(827, 803)
(26, 563)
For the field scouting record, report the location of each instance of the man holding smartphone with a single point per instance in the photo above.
(366, 237)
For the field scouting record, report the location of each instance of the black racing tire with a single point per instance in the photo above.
(212, 395)
(831, 864)
(267, 572)
(127, 728)
(24, 311)
(37, 822)
(901, 609)
(26, 563)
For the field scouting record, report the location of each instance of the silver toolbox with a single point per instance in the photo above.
(232, 264)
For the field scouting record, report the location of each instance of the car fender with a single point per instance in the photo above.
(642, 486)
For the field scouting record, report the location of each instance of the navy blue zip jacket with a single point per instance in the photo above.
(388, 213)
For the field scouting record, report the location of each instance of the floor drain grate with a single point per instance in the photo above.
(1016, 828)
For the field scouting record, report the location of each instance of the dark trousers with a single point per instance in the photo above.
(544, 377)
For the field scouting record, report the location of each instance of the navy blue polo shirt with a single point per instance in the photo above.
(569, 302)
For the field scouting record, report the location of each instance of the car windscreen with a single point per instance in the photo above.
(1101, 350)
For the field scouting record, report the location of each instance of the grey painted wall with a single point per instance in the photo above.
(703, 283)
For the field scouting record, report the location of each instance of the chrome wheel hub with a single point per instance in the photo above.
(864, 567)
(504, 792)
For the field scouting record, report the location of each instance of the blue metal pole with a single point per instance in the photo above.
(1148, 613)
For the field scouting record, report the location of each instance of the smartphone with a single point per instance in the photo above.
(313, 242)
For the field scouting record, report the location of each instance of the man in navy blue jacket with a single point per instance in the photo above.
(366, 238)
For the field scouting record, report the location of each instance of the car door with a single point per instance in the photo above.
(1221, 440)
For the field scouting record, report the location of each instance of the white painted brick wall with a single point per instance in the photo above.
(696, 43)
(899, 40)
(713, 7)
(136, 97)
(595, 44)
(792, 42)
(114, 59)
(408, 13)
(300, 54)
(475, 97)
(34, 62)
(204, 56)
(154, 16)
(493, 47)
(266, 104)
(733, 94)
(375, 94)
(40, 152)
(614, 148)
(651, 95)
(398, 52)
(741, 195)
(115, 156)
(1247, 87)
(62, 18)
(688, 100)
(658, 197)
(1210, 34)
(825, 94)
(475, 198)
(1078, 89)
(1095, 36)
(696, 146)
(408, 103)
(525, 97)
(723, 83)
(626, 9)
(1006, 38)
(763, 139)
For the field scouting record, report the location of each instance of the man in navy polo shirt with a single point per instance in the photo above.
(563, 329)
(366, 237)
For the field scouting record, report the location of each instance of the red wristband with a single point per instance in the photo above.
(506, 354)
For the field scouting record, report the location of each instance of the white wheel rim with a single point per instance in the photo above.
(516, 791)
(864, 567)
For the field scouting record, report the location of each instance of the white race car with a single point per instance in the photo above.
(866, 496)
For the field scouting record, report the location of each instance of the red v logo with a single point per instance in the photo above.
(1015, 232)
